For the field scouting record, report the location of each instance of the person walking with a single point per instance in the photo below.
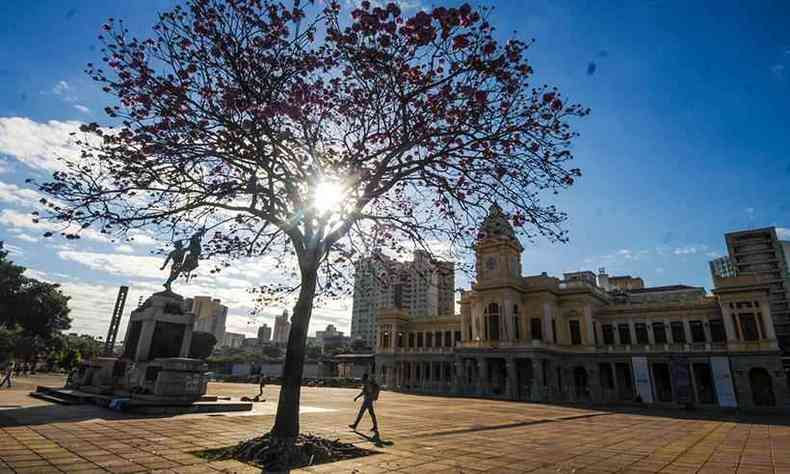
(370, 392)
(9, 373)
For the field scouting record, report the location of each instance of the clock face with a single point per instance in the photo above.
(491, 263)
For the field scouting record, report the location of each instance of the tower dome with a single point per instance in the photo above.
(496, 225)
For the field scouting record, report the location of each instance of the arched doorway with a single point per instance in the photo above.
(762, 387)
(582, 392)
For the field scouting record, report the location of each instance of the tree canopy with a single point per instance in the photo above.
(311, 135)
(37, 308)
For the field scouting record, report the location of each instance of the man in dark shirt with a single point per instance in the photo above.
(370, 392)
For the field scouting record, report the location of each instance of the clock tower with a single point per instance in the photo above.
(498, 251)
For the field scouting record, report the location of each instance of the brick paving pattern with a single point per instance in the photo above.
(427, 434)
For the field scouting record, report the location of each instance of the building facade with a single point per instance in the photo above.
(210, 315)
(760, 252)
(264, 334)
(233, 340)
(331, 338)
(541, 338)
(422, 287)
(282, 328)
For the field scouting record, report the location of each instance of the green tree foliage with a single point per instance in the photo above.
(38, 308)
(8, 341)
(202, 345)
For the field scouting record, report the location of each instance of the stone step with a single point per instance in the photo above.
(53, 399)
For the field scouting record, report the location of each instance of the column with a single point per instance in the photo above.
(482, 376)
(548, 334)
(668, 329)
(706, 328)
(768, 324)
(539, 380)
(729, 326)
(458, 376)
(588, 322)
(616, 330)
(144, 341)
(512, 383)
(632, 331)
(616, 384)
(687, 330)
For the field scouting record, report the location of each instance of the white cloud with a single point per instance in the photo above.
(138, 237)
(12, 249)
(690, 249)
(713, 254)
(13, 194)
(783, 233)
(18, 220)
(82, 108)
(61, 88)
(117, 264)
(124, 248)
(27, 238)
(231, 286)
(36, 144)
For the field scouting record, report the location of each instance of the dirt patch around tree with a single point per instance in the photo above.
(273, 455)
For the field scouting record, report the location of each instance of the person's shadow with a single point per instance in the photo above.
(375, 439)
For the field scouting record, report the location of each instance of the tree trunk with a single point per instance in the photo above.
(286, 424)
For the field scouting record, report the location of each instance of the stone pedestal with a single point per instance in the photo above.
(159, 329)
(155, 366)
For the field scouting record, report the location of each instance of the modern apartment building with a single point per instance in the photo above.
(760, 252)
(282, 328)
(421, 287)
(210, 315)
(233, 340)
(264, 334)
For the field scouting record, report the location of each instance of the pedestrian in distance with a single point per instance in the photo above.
(8, 375)
(370, 393)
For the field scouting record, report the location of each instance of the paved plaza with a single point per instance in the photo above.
(423, 434)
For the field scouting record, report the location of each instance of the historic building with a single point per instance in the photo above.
(587, 338)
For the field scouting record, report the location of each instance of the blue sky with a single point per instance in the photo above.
(688, 138)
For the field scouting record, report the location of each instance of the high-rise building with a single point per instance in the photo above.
(210, 315)
(722, 267)
(422, 287)
(264, 334)
(282, 327)
(760, 252)
(233, 340)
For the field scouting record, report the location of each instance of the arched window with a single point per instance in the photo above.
(493, 322)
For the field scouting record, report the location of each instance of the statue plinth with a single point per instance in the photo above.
(155, 365)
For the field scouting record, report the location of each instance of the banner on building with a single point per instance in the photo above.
(722, 379)
(681, 380)
(642, 379)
